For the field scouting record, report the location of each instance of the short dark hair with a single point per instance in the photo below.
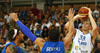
(35, 4)
(46, 18)
(38, 25)
(54, 19)
(98, 6)
(35, 49)
(54, 34)
(11, 33)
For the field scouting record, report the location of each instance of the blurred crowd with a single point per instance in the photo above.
(39, 23)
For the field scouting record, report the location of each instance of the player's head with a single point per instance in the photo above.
(98, 45)
(54, 34)
(35, 51)
(30, 43)
(86, 25)
(37, 27)
(15, 34)
(34, 5)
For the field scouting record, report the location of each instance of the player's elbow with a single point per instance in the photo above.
(66, 26)
(95, 29)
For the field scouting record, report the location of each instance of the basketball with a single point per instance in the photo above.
(83, 12)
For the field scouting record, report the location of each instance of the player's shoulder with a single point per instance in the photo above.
(62, 43)
(11, 48)
(77, 30)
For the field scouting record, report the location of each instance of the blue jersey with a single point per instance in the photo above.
(38, 33)
(11, 43)
(53, 47)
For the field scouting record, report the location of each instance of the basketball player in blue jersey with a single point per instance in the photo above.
(83, 40)
(15, 36)
(53, 45)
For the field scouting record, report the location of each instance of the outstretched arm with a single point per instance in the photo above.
(27, 32)
(94, 26)
(67, 24)
(74, 19)
(68, 38)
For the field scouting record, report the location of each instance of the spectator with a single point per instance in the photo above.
(55, 23)
(80, 24)
(46, 23)
(98, 25)
(45, 33)
(1, 22)
(96, 12)
(50, 19)
(4, 31)
(13, 25)
(62, 11)
(62, 23)
(24, 13)
(55, 15)
(40, 15)
(49, 8)
(7, 24)
(58, 18)
(35, 51)
(31, 17)
(2, 14)
(34, 10)
(36, 19)
(48, 13)
(18, 11)
(3, 41)
(47, 16)
(11, 9)
(30, 46)
(7, 17)
(98, 48)
(1, 36)
(63, 17)
(29, 24)
(56, 6)
(38, 31)
(23, 21)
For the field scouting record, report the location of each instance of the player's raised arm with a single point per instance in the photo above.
(68, 37)
(94, 26)
(74, 19)
(27, 32)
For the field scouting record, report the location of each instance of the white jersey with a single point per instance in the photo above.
(82, 43)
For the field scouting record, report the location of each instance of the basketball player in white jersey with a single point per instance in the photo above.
(83, 40)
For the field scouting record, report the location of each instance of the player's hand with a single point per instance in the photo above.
(71, 13)
(90, 12)
(14, 16)
(79, 16)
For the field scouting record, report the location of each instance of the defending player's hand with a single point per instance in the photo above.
(14, 16)
(70, 13)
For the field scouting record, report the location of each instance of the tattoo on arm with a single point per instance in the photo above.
(12, 49)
